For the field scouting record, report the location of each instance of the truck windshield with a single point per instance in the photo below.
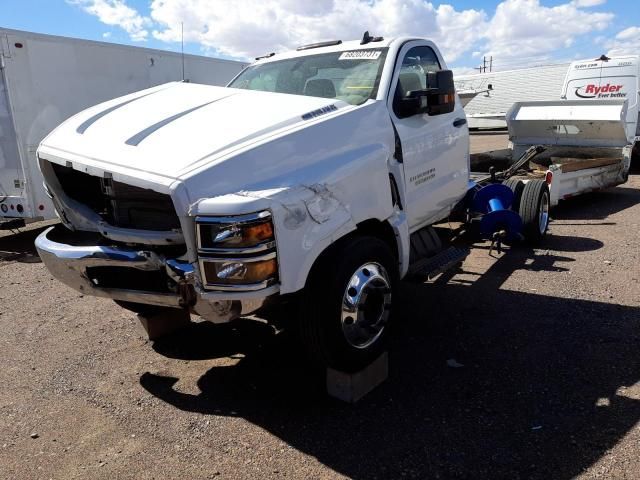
(351, 76)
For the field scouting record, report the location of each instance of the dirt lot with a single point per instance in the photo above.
(547, 383)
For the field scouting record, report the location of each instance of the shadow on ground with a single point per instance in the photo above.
(19, 247)
(523, 406)
(597, 205)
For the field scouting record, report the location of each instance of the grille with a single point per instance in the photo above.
(119, 204)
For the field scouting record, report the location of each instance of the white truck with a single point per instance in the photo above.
(45, 79)
(314, 177)
(590, 135)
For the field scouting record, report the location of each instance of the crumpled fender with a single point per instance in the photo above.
(310, 217)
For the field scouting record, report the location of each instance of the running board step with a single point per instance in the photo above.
(443, 261)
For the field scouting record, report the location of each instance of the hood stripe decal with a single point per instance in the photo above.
(140, 136)
(90, 121)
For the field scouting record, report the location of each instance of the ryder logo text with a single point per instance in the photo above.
(604, 91)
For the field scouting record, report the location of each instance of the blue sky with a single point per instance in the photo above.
(515, 32)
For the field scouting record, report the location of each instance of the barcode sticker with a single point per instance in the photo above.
(360, 55)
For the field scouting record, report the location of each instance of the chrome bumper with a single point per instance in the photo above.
(68, 261)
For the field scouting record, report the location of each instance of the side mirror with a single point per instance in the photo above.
(440, 92)
(438, 98)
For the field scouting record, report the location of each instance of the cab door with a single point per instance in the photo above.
(435, 148)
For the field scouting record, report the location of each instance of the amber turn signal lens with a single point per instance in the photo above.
(258, 233)
(261, 271)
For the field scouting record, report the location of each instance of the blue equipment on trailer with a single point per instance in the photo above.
(493, 202)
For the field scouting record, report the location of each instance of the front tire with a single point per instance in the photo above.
(347, 304)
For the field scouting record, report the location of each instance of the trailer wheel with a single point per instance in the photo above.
(516, 186)
(534, 210)
(346, 307)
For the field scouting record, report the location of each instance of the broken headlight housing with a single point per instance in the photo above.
(237, 252)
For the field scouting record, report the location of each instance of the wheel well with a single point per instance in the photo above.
(382, 230)
(372, 227)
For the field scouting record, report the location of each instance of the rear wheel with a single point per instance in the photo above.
(346, 309)
(534, 210)
(516, 187)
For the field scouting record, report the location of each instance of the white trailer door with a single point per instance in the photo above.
(11, 175)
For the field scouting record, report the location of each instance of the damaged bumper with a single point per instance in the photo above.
(140, 276)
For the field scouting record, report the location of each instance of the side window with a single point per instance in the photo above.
(413, 74)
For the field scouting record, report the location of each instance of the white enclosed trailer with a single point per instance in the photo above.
(46, 79)
(488, 109)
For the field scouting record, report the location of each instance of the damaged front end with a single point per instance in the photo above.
(127, 243)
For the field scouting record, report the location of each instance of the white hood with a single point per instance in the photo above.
(168, 130)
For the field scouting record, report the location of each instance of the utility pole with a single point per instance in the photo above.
(491, 64)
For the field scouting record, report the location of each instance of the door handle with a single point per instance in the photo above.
(458, 122)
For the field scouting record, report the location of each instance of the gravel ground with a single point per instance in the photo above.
(519, 365)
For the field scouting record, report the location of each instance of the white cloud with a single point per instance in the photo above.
(524, 28)
(118, 14)
(588, 3)
(459, 71)
(626, 41)
(253, 27)
(519, 29)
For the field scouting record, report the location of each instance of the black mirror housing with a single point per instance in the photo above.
(439, 97)
(441, 92)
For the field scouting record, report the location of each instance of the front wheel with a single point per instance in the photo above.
(347, 305)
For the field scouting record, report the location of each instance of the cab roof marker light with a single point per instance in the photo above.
(268, 55)
(329, 43)
(366, 38)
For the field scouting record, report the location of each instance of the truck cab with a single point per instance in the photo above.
(309, 177)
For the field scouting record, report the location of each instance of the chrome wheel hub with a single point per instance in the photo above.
(366, 305)
(543, 220)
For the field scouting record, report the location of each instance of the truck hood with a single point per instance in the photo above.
(166, 132)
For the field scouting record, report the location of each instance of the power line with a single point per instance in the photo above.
(483, 68)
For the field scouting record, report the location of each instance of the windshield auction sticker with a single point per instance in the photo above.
(360, 55)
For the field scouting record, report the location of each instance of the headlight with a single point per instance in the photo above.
(242, 234)
(237, 253)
